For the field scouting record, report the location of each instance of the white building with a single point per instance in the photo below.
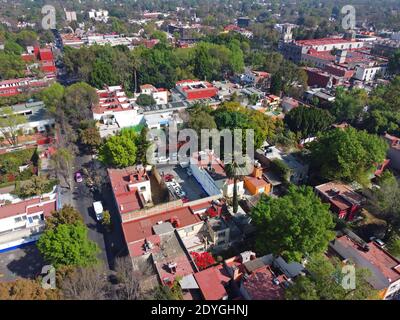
(100, 15)
(368, 73)
(209, 172)
(37, 118)
(22, 221)
(159, 95)
(115, 111)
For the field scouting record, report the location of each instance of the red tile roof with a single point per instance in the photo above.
(123, 183)
(260, 286)
(388, 265)
(322, 41)
(140, 229)
(211, 282)
(30, 206)
(339, 194)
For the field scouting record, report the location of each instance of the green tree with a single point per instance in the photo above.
(295, 225)
(145, 100)
(79, 99)
(66, 215)
(324, 282)
(200, 118)
(143, 145)
(349, 105)
(63, 161)
(10, 124)
(394, 63)
(68, 245)
(90, 137)
(36, 186)
(348, 155)
(53, 97)
(308, 121)
(11, 66)
(118, 151)
(384, 203)
(235, 170)
(394, 246)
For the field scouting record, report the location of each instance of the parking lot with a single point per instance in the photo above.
(188, 184)
(25, 262)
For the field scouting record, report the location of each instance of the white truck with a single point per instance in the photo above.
(98, 210)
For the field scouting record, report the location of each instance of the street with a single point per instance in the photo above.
(111, 243)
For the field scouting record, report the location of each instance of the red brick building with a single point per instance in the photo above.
(194, 89)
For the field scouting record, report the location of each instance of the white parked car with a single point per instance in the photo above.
(98, 210)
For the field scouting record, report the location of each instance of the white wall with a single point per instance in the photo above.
(205, 180)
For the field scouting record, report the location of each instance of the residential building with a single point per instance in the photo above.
(38, 120)
(259, 79)
(160, 95)
(394, 151)
(194, 89)
(368, 72)
(298, 169)
(384, 268)
(344, 201)
(186, 32)
(385, 48)
(131, 189)
(272, 101)
(288, 104)
(13, 87)
(22, 221)
(98, 15)
(212, 283)
(42, 58)
(255, 184)
(209, 172)
(115, 111)
(254, 277)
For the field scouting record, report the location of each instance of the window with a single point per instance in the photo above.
(222, 234)
(143, 188)
(18, 219)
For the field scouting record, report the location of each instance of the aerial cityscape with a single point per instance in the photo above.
(199, 150)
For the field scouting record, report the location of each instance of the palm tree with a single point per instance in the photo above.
(235, 170)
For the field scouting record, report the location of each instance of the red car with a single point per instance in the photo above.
(168, 177)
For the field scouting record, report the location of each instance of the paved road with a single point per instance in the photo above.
(110, 243)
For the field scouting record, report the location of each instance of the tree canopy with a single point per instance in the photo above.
(348, 155)
(307, 122)
(324, 282)
(295, 225)
(68, 245)
(119, 151)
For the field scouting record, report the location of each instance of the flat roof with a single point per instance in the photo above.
(30, 206)
(142, 228)
(340, 194)
(260, 285)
